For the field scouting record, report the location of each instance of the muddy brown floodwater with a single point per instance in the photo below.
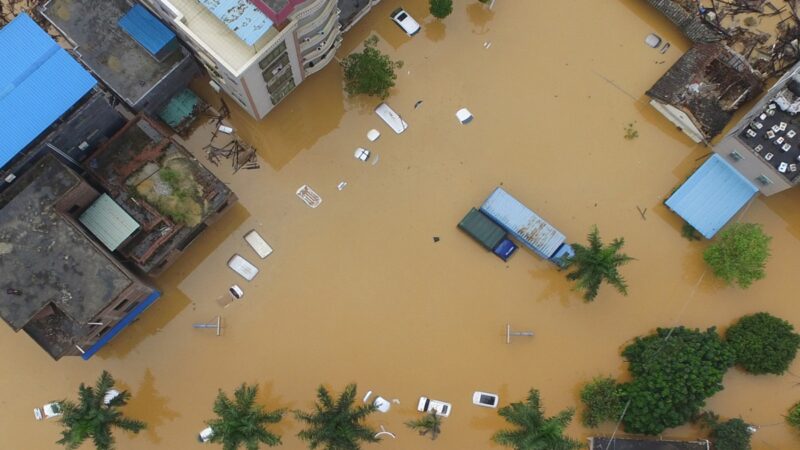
(358, 291)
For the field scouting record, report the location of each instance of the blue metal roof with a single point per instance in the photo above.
(242, 17)
(39, 82)
(124, 322)
(146, 29)
(711, 196)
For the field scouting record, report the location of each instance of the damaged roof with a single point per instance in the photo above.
(709, 83)
(691, 23)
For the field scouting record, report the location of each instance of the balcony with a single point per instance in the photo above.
(312, 40)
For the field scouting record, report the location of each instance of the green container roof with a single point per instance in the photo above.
(109, 222)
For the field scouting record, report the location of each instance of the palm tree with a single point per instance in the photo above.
(597, 263)
(431, 423)
(241, 422)
(337, 425)
(93, 417)
(535, 431)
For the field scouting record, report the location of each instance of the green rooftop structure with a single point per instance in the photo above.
(181, 110)
(108, 222)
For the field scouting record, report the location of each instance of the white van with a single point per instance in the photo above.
(243, 267)
(391, 118)
(258, 243)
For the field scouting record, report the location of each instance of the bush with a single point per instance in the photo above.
(673, 372)
(440, 8)
(793, 419)
(740, 254)
(602, 400)
(732, 434)
(763, 343)
(369, 72)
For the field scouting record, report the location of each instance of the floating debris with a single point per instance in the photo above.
(417, 105)
(373, 135)
(664, 48)
(361, 154)
(341, 185)
(464, 116)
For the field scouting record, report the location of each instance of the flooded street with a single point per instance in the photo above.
(358, 291)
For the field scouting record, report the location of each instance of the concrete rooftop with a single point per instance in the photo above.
(111, 53)
(45, 256)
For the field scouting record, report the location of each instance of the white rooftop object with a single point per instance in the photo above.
(205, 435)
(361, 154)
(243, 267)
(464, 116)
(382, 404)
(652, 40)
(258, 243)
(111, 394)
(484, 399)
(308, 195)
(388, 115)
(373, 135)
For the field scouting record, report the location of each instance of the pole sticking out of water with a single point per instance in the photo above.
(510, 333)
(217, 323)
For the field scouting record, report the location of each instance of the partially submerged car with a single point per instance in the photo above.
(405, 21)
(427, 405)
(243, 267)
(484, 399)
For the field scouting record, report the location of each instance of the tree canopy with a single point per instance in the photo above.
(241, 422)
(92, 418)
(597, 263)
(337, 424)
(532, 430)
(673, 372)
(732, 434)
(440, 8)
(793, 417)
(763, 343)
(739, 254)
(369, 71)
(430, 423)
(602, 400)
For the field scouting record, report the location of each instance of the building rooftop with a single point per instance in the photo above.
(241, 16)
(217, 37)
(49, 260)
(39, 82)
(774, 131)
(689, 22)
(160, 185)
(709, 82)
(103, 46)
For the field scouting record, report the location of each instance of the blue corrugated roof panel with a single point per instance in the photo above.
(711, 196)
(39, 82)
(146, 29)
(242, 17)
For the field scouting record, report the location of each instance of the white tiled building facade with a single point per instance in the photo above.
(302, 38)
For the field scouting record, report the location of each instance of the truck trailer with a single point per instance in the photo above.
(527, 227)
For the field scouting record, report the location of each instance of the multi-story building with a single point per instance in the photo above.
(163, 189)
(258, 51)
(126, 47)
(61, 287)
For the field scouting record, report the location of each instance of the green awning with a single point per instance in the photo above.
(108, 222)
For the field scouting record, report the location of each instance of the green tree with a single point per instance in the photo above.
(337, 424)
(370, 71)
(732, 434)
(793, 418)
(763, 343)
(93, 418)
(603, 401)
(534, 431)
(440, 8)
(430, 423)
(673, 371)
(597, 263)
(740, 254)
(241, 422)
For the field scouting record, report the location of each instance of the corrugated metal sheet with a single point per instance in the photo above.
(711, 196)
(524, 224)
(482, 229)
(146, 29)
(241, 16)
(109, 222)
(39, 81)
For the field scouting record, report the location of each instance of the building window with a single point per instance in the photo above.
(121, 304)
(736, 156)
(131, 307)
(764, 180)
